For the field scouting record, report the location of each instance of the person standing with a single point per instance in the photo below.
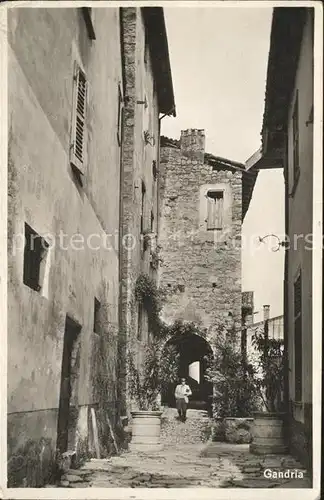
(182, 393)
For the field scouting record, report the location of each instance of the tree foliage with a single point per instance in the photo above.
(270, 369)
(235, 390)
(159, 368)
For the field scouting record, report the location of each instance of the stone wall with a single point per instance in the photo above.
(44, 193)
(141, 115)
(299, 254)
(300, 437)
(300, 258)
(201, 269)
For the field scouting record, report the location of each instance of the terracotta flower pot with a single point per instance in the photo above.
(268, 434)
(146, 428)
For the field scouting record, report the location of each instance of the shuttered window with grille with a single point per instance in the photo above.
(298, 337)
(79, 120)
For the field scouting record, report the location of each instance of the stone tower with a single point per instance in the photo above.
(200, 234)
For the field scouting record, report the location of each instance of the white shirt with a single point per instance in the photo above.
(182, 392)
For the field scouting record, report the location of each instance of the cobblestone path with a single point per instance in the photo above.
(187, 460)
(195, 430)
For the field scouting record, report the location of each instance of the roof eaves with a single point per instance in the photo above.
(285, 41)
(158, 42)
(222, 162)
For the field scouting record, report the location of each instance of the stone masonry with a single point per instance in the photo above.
(138, 208)
(201, 268)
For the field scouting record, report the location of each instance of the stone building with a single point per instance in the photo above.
(84, 104)
(203, 200)
(287, 142)
(148, 95)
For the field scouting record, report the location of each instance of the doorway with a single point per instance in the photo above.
(68, 379)
(194, 352)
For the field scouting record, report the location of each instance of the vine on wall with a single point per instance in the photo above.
(148, 294)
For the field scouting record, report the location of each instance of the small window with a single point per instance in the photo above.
(79, 120)
(143, 193)
(215, 207)
(295, 126)
(120, 119)
(298, 337)
(152, 222)
(35, 252)
(96, 317)
(88, 19)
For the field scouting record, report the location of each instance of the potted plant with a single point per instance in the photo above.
(146, 383)
(235, 394)
(268, 428)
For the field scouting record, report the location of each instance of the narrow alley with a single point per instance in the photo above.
(188, 460)
(159, 247)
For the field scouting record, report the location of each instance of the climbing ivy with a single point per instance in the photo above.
(179, 328)
(148, 294)
(235, 390)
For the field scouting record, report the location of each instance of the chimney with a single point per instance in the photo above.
(192, 144)
(266, 312)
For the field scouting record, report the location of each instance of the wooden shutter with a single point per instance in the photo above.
(34, 252)
(215, 207)
(211, 213)
(78, 120)
(219, 211)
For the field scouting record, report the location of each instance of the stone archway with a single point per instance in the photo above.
(194, 351)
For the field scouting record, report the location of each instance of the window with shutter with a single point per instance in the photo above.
(215, 208)
(78, 121)
(298, 337)
(35, 252)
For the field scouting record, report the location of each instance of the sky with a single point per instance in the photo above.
(219, 61)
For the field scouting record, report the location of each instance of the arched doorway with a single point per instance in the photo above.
(194, 352)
